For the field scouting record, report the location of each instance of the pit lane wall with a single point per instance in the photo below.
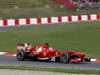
(48, 20)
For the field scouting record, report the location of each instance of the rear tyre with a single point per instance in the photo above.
(20, 55)
(65, 58)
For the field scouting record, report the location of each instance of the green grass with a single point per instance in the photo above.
(84, 37)
(32, 8)
(75, 71)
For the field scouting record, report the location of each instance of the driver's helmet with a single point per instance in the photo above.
(46, 43)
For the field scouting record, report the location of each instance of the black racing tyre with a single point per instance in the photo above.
(65, 58)
(20, 55)
(87, 59)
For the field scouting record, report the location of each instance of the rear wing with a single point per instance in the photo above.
(23, 46)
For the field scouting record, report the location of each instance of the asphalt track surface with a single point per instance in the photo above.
(12, 61)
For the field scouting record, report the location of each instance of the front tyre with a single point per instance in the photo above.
(87, 59)
(20, 55)
(65, 58)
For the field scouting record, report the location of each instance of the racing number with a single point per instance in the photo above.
(53, 59)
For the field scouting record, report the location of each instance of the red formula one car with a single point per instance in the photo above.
(44, 52)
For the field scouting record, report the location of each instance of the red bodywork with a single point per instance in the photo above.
(43, 52)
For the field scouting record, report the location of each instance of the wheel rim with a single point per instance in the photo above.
(64, 58)
(19, 56)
